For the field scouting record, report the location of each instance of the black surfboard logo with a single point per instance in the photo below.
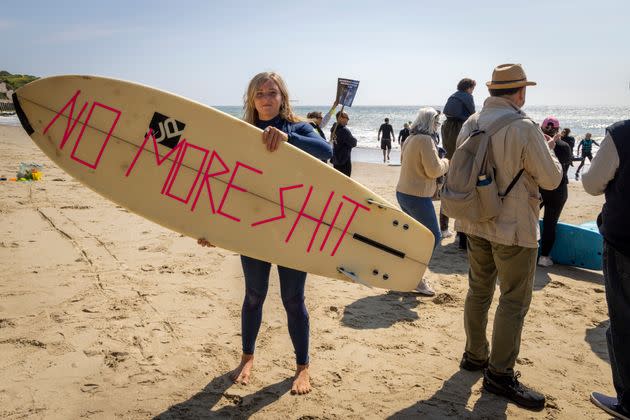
(167, 130)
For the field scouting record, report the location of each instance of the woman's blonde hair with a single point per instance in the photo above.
(249, 109)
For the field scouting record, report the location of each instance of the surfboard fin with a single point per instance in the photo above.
(352, 276)
(21, 115)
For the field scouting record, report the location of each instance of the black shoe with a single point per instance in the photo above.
(610, 405)
(471, 365)
(511, 388)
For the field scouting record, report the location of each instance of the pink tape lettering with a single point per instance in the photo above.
(109, 134)
(178, 164)
(231, 185)
(205, 181)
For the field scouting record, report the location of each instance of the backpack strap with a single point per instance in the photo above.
(513, 183)
(497, 125)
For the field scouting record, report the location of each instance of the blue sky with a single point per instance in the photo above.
(403, 52)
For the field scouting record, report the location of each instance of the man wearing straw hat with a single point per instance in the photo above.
(506, 247)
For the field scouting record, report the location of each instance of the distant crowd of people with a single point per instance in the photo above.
(530, 165)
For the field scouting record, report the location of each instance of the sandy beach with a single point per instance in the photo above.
(104, 315)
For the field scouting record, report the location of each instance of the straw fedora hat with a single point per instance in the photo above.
(509, 76)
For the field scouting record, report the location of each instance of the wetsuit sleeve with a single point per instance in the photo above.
(579, 146)
(305, 138)
(603, 168)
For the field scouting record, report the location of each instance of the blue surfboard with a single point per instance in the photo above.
(579, 246)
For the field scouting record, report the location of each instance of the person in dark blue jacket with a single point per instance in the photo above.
(267, 106)
(343, 142)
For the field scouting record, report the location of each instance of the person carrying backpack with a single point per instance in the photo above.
(505, 246)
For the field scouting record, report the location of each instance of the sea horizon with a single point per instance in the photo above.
(365, 120)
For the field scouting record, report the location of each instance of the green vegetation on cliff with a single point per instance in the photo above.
(15, 81)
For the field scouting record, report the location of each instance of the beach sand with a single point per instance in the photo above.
(104, 314)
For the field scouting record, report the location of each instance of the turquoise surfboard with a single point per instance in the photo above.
(579, 246)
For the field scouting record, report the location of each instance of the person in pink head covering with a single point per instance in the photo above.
(553, 200)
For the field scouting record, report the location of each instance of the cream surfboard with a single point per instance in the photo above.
(206, 174)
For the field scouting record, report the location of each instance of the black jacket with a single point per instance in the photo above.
(343, 142)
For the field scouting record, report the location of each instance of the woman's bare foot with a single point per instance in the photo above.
(301, 381)
(241, 374)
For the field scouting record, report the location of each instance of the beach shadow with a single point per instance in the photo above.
(543, 279)
(200, 405)
(382, 311)
(596, 338)
(451, 400)
(449, 259)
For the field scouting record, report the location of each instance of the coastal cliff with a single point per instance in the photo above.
(8, 83)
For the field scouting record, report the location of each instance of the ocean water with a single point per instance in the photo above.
(365, 120)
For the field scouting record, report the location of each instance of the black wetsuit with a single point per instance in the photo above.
(387, 136)
(402, 136)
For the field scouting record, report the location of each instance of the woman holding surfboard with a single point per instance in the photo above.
(267, 106)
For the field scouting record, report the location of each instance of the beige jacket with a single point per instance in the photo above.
(519, 145)
(420, 166)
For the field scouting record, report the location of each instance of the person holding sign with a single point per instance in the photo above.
(343, 142)
(267, 106)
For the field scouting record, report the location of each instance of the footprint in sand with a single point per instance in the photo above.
(4, 323)
(113, 358)
(166, 269)
(76, 207)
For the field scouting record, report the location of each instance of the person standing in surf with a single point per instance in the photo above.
(403, 134)
(386, 136)
(267, 106)
(587, 152)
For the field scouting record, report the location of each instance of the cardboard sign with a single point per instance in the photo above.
(346, 91)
